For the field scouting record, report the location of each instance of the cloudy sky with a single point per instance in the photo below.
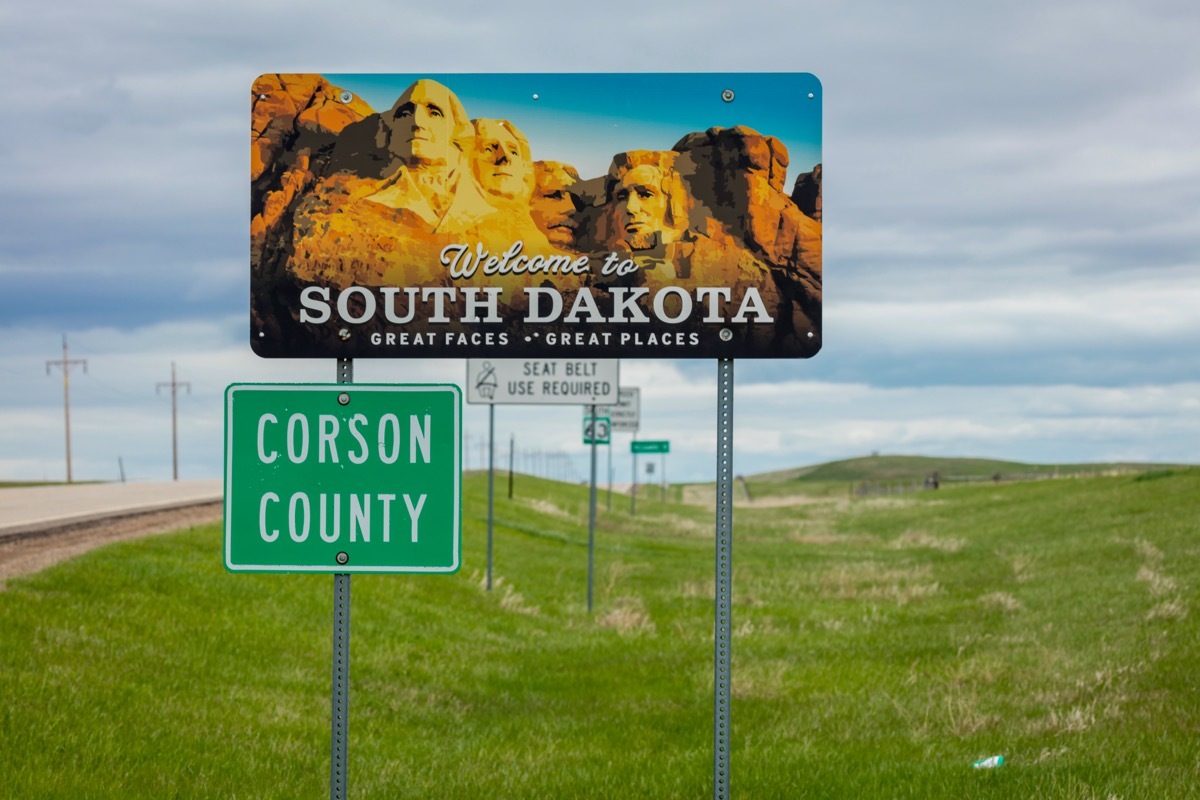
(1012, 222)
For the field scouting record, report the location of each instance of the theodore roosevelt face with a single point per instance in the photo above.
(554, 205)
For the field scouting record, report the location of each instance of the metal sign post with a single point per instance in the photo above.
(608, 483)
(634, 487)
(724, 579)
(592, 518)
(491, 487)
(596, 430)
(339, 737)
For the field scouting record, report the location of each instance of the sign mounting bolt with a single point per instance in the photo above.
(345, 96)
(725, 334)
(344, 399)
(342, 558)
(344, 334)
(727, 95)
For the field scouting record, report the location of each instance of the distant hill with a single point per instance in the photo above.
(906, 468)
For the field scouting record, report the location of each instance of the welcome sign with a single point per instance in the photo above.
(536, 216)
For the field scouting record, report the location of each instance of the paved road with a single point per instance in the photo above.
(51, 506)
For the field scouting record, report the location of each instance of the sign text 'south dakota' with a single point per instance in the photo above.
(671, 305)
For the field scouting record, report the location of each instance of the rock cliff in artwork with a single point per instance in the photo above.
(418, 197)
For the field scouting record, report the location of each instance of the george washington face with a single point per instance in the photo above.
(424, 124)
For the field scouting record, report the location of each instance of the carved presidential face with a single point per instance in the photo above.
(641, 206)
(501, 162)
(553, 205)
(423, 125)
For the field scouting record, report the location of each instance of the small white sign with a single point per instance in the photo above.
(543, 381)
(626, 413)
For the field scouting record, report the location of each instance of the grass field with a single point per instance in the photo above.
(886, 468)
(881, 646)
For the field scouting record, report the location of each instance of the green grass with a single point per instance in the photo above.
(880, 646)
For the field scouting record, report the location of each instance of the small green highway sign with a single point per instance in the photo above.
(597, 430)
(343, 478)
(660, 446)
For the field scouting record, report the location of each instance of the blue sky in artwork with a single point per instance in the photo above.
(583, 119)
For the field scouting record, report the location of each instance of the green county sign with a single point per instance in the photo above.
(342, 478)
(650, 446)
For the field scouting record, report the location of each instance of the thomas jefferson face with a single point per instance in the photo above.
(641, 206)
(501, 164)
(553, 206)
(423, 129)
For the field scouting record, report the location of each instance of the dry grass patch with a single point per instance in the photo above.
(1159, 583)
(825, 538)
(1171, 609)
(510, 599)
(760, 679)
(627, 617)
(928, 541)
(1148, 551)
(868, 580)
(1076, 719)
(1021, 567)
(545, 507)
(1002, 601)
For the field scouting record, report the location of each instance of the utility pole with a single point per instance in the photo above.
(174, 384)
(66, 363)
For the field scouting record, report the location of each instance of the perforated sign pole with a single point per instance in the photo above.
(491, 486)
(340, 733)
(724, 584)
(592, 516)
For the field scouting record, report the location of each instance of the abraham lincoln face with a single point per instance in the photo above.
(641, 206)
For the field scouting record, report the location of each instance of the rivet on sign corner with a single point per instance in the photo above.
(811, 334)
(725, 334)
(345, 97)
(811, 95)
(535, 97)
(342, 558)
(344, 334)
(727, 95)
(344, 399)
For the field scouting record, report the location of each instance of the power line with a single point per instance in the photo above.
(174, 384)
(66, 363)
